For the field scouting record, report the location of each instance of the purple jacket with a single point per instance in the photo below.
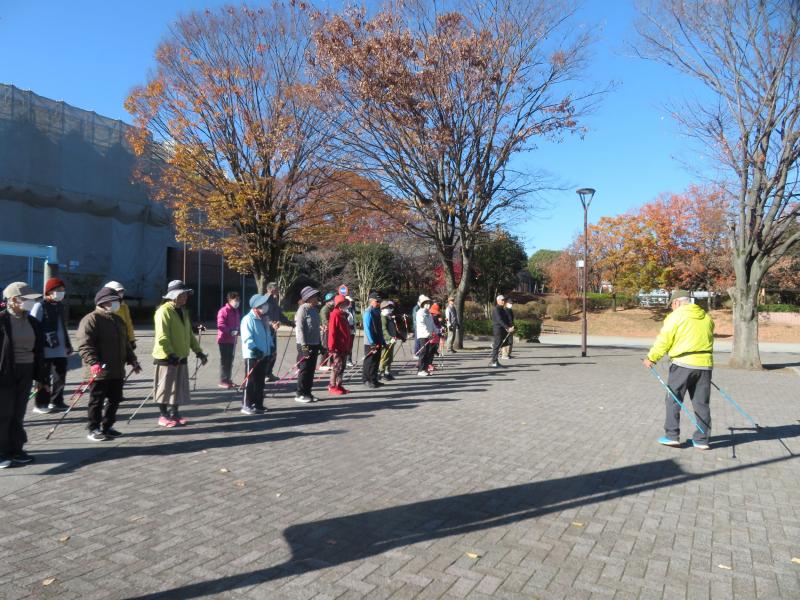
(228, 319)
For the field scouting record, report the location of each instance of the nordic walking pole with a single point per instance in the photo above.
(736, 406)
(288, 374)
(75, 398)
(280, 364)
(200, 329)
(133, 414)
(354, 368)
(674, 397)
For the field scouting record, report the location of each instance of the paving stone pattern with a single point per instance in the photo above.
(540, 480)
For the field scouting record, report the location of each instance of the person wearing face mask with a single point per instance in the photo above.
(257, 334)
(340, 343)
(390, 335)
(173, 340)
(505, 351)
(21, 362)
(57, 346)
(105, 349)
(425, 330)
(374, 342)
(124, 311)
(277, 318)
(228, 322)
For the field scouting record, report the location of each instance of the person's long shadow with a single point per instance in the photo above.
(743, 435)
(171, 449)
(328, 542)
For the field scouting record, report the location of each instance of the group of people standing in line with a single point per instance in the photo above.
(35, 346)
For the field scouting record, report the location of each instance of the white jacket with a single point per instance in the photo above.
(425, 326)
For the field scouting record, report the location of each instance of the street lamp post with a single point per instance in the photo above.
(586, 195)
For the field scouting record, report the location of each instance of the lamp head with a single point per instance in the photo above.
(586, 195)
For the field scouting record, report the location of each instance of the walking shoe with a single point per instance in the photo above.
(96, 436)
(248, 410)
(344, 389)
(303, 399)
(180, 420)
(260, 410)
(423, 374)
(167, 422)
(324, 368)
(495, 365)
(350, 363)
(700, 445)
(272, 378)
(58, 407)
(389, 377)
(111, 432)
(43, 410)
(314, 398)
(224, 385)
(665, 441)
(22, 457)
(336, 391)
(5, 463)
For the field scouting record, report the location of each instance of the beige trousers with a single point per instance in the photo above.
(171, 385)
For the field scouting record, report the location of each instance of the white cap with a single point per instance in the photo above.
(423, 299)
(115, 285)
(501, 297)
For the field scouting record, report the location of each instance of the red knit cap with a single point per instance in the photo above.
(52, 284)
(339, 299)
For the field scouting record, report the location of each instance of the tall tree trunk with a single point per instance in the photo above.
(461, 297)
(745, 314)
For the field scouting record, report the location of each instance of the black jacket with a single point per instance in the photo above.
(500, 319)
(275, 313)
(7, 350)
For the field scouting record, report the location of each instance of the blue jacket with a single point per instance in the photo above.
(256, 335)
(373, 330)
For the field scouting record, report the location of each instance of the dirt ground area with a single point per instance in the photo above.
(639, 322)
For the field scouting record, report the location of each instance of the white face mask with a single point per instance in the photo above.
(58, 296)
(113, 307)
(27, 305)
(235, 304)
(386, 312)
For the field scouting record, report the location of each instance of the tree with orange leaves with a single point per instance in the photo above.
(231, 133)
(433, 101)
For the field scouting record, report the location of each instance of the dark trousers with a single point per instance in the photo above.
(100, 416)
(305, 370)
(57, 370)
(499, 337)
(254, 390)
(226, 352)
(698, 383)
(13, 404)
(369, 372)
(425, 354)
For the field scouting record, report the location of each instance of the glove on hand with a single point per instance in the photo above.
(258, 354)
(137, 368)
(173, 360)
(202, 358)
(95, 370)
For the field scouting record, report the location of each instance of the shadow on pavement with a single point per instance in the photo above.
(328, 542)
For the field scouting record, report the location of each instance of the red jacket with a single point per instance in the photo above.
(338, 332)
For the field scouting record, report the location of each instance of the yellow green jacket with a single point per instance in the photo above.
(125, 314)
(687, 336)
(173, 334)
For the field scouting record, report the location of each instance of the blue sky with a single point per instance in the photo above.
(90, 53)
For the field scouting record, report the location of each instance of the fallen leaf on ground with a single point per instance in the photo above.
(278, 495)
(239, 483)
(726, 567)
(48, 581)
(472, 555)
(63, 538)
(224, 470)
(330, 542)
(136, 518)
(577, 524)
(796, 560)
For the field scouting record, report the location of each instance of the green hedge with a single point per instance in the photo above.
(779, 308)
(526, 329)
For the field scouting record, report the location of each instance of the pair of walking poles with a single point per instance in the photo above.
(722, 392)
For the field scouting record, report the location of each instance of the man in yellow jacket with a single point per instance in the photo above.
(687, 337)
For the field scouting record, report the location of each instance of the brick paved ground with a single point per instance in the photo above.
(542, 480)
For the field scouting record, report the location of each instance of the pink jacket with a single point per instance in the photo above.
(228, 320)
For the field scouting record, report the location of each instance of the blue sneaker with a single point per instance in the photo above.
(700, 445)
(665, 441)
